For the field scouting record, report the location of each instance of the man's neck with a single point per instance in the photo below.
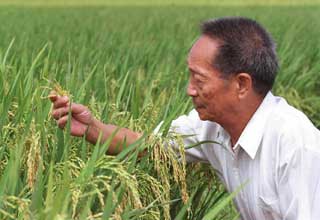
(238, 122)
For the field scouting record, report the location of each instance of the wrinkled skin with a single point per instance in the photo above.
(213, 97)
(81, 117)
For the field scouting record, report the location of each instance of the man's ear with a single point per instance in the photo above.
(244, 84)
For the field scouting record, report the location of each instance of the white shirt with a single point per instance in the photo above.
(278, 153)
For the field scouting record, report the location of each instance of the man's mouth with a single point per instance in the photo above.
(197, 106)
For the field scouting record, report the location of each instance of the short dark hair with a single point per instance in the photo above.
(244, 46)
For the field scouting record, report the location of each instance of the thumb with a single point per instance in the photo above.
(79, 109)
(81, 113)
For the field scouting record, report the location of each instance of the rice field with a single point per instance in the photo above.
(127, 63)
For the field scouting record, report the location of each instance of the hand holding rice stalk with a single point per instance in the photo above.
(83, 123)
(80, 116)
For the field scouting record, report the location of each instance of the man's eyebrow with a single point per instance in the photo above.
(196, 71)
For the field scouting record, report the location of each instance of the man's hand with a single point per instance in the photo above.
(83, 123)
(81, 117)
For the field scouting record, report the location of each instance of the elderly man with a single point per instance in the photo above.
(263, 140)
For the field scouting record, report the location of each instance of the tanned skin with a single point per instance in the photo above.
(230, 101)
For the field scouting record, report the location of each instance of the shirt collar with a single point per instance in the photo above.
(251, 136)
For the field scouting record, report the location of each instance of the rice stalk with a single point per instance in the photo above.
(33, 154)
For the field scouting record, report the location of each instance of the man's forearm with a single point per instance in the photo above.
(106, 130)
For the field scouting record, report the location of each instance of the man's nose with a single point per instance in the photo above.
(191, 91)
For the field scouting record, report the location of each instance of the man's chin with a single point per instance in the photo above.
(201, 114)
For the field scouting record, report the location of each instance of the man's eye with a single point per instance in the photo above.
(199, 81)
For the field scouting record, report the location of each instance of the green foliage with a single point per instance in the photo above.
(155, 2)
(128, 65)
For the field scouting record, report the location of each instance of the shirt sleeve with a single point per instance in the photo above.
(299, 183)
(188, 126)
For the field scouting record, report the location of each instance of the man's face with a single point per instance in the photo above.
(213, 97)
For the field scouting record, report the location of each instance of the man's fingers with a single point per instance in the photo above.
(76, 109)
(60, 102)
(60, 112)
(53, 96)
(62, 121)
